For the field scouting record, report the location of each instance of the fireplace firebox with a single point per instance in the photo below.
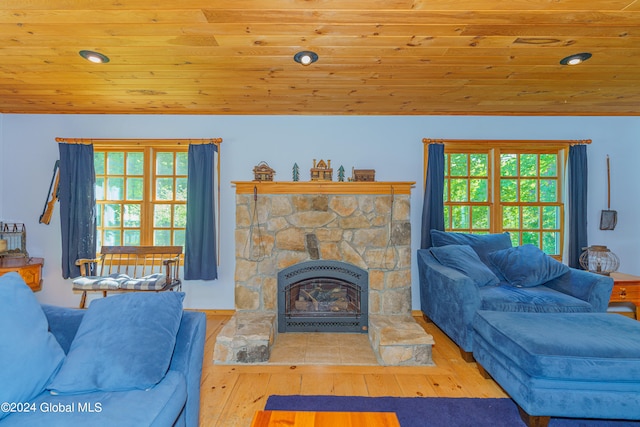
(323, 296)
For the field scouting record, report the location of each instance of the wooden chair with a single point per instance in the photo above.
(129, 269)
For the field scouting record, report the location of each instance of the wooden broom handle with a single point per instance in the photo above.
(608, 184)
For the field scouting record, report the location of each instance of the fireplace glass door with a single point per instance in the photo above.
(322, 297)
(322, 304)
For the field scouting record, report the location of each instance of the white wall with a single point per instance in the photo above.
(389, 144)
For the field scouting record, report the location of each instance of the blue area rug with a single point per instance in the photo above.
(430, 411)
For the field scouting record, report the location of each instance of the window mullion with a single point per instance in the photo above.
(147, 202)
(496, 204)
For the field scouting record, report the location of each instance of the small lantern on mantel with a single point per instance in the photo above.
(262, 172)
(599, 259)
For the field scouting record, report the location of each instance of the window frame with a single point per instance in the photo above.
(494, 149)
(149, 148)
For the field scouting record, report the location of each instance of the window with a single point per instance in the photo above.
(514, 186)
(141, 194)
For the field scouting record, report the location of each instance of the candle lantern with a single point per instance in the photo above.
(599, 259)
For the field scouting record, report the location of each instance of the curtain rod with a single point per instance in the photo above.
(528, 141)
(88, 141)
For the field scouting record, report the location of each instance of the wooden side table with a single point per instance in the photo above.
(626, 287)
(319, 419)
(29, 268)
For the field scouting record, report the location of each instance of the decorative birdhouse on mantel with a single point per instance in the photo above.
(321, 171)
(363, 175)
(262, 172)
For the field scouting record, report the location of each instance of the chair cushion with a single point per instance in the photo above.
(483, 244)
(464, 259)
(152, 282)
(540, 299)
(110, 282)
(527, 266)
(567, 346)
(30, 355)
(124, 342)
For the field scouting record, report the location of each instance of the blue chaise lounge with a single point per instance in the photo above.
(569, 365)
(464, 273)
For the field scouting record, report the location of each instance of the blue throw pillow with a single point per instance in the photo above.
(483, 244)
(124, 342)
(29, 354)
(464, 259)
(527, 266)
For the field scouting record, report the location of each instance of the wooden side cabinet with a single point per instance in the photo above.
(626, 287)
(29, 268)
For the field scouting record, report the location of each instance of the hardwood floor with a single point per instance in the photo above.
(231, 394)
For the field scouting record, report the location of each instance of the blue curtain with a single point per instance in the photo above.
(200, 261)
(76, 192)
(433, 203)
(577, 203)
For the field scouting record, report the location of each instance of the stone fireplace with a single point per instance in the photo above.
(283, 225)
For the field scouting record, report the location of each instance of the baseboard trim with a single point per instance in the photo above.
(213, 312)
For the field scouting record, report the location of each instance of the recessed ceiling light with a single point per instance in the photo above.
(576, 59)
(305, 57)
(95, 57)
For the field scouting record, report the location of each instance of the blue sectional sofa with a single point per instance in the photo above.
(464, 273)
(128, 360)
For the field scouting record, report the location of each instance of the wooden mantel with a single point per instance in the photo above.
(323, 187)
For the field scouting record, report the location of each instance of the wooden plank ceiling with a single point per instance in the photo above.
(386, 57)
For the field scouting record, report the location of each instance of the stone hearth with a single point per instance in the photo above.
(365, 224)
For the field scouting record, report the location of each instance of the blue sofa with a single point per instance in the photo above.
(463, 273)
(128, 360)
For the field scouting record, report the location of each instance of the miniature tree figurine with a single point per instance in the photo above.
(296, 172)
(341, 173)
